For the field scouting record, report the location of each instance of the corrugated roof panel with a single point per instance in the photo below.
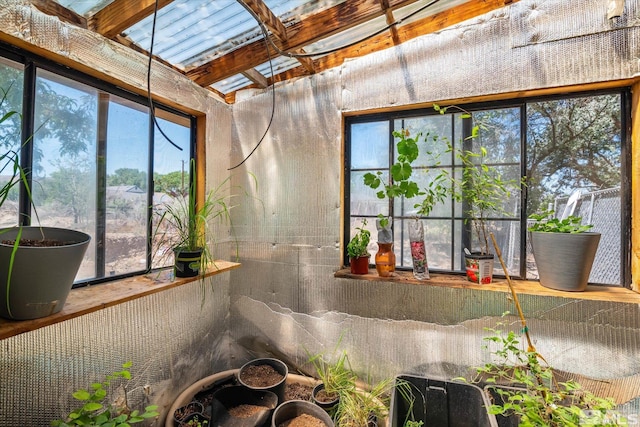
(85, 7)
(192, 32)
(232, 83)
(373, 26)
(280, 65)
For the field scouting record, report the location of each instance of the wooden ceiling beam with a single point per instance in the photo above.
(256, 77)
(309, 30)
(119, 15)
(65, 15)
(267, 17)
(388, 13)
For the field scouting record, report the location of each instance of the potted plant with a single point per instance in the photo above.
(357, 250)
(184, 226)
(564, 250)
(38, 264)
(95, 411)
(482, 190)
(336, 379)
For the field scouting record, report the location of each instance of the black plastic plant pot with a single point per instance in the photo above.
(280, 367)
(41, 276)
(184, 412)
(439, 403)
(187, 263)
(228, 400)
(292, 409)
(194, 420)
(495, 397)
(327, 405)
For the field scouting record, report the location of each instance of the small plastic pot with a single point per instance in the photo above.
(295, 408)
(324, 404)
(184, 412)
(194, 420)
(277, 388)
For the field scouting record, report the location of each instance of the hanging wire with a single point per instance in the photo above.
(151, 105)
(265, 34)
(268, 41)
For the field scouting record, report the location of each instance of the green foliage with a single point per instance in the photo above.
(539, 399)
(401, 184)
(95, 411)
(572, 143)
(548, 223)
(482, 189)
(406, 391)
(355, 406)
(184, 223)
(338, 378)
(128, 176)
(172, 183)
(357, 246)
(196, 422)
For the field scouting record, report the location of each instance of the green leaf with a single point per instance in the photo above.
(92, 406)
(82, 395)
(371, 180)
(401, 171)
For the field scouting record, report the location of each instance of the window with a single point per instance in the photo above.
(559, 146)
(94, 157)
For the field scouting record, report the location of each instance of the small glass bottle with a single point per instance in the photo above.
(385, 257)
(418, 253)
(385, 260)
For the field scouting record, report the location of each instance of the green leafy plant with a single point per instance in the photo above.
(401, 184)
(481, 188)
(95, 411)
(357, 246)
(338, 377)
(356, 408)
(536, 398)
(195, 422)
(184, 222)
(547, 222)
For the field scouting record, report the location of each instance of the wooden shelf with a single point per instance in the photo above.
(93, 298)
(522, 287)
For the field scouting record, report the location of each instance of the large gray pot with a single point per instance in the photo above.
(42, 276)
(564, 260)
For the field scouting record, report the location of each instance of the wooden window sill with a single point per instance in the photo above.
(93, 298)
(524, 287)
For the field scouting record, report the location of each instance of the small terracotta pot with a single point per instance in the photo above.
(359, 265)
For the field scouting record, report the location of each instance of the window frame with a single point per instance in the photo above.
(625, 164)
(31, 63)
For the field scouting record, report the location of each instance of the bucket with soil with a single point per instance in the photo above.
(265, 375)
(300, 413)
(237, 406)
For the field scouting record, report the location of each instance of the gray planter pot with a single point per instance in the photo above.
(564, 260)
(42, 277)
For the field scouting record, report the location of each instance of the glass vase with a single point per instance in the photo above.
(418, 253)
(385, 260)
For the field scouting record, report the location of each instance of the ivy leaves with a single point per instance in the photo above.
(401, 171)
